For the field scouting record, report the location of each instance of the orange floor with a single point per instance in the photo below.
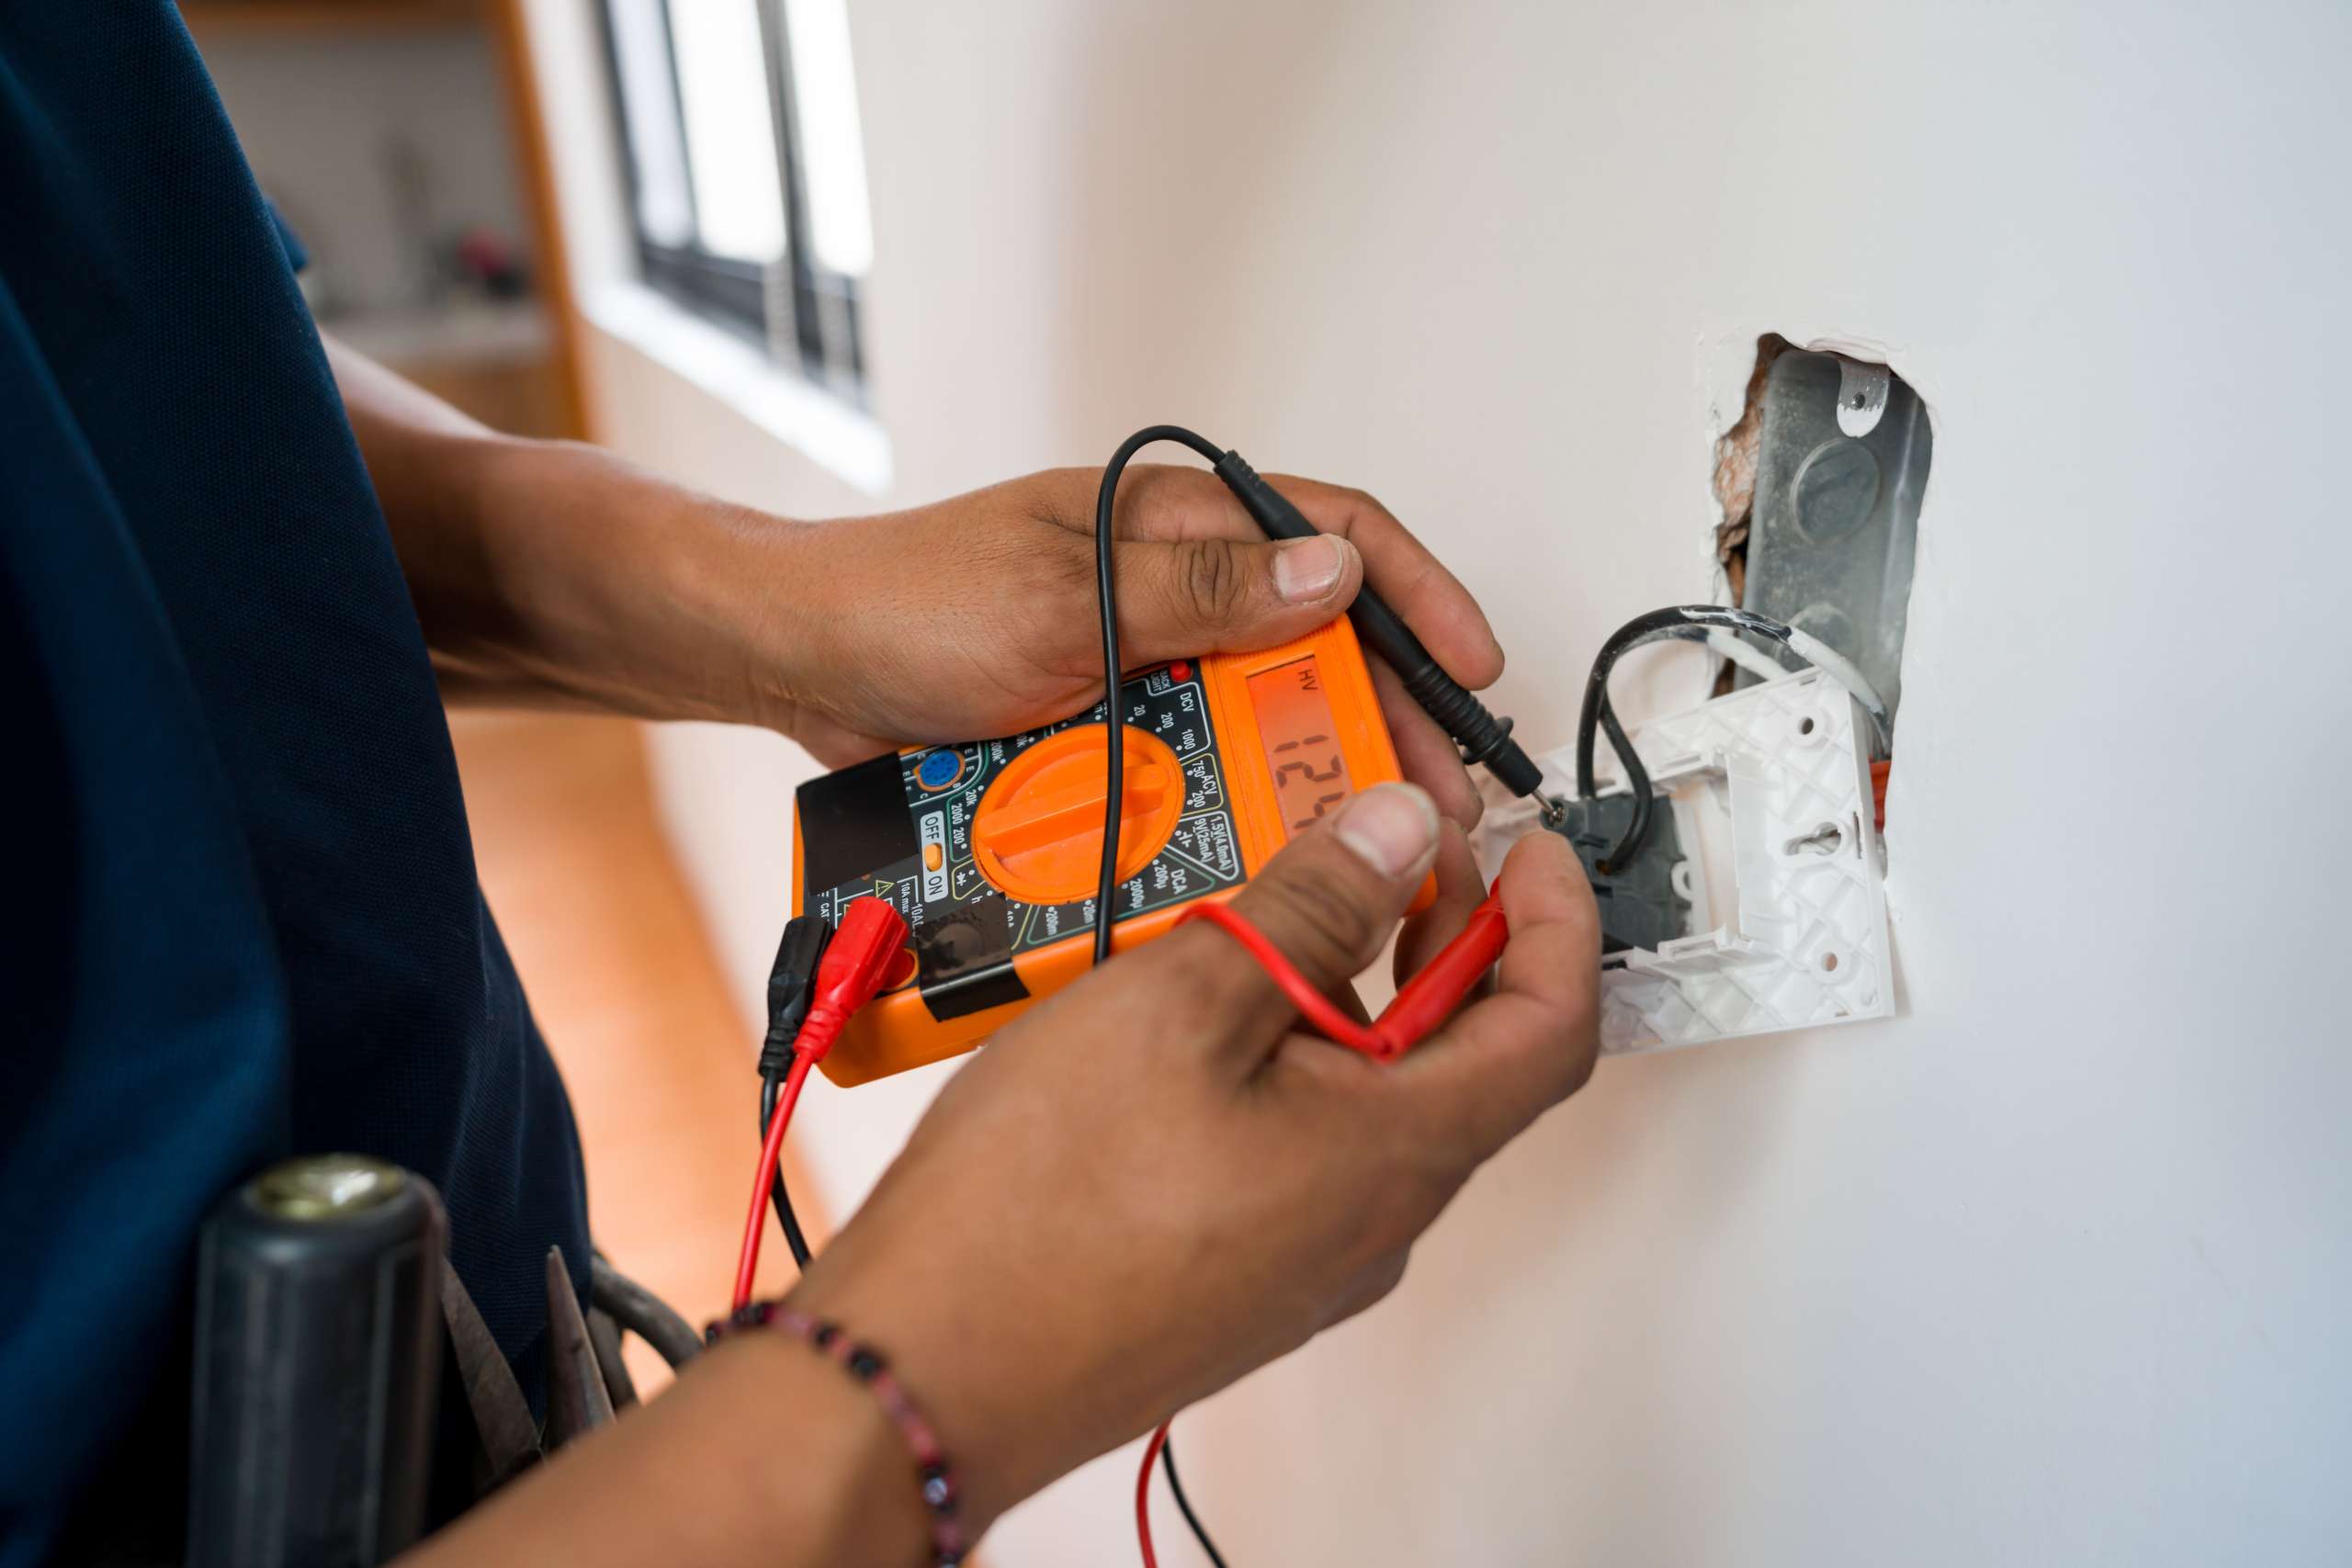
(613, 953)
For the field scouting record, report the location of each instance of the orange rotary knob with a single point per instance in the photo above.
(1037, 835)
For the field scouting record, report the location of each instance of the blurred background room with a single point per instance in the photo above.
(2047, 1267)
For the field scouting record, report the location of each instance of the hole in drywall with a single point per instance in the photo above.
(1804, 727)
(1736, 457)
(1829, 963)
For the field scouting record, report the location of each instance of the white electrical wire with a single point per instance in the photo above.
(1755, 661)
(1840, 668)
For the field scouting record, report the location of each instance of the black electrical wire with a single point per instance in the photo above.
(795, 969)
(771, 1085)
(1598, 713)
(1637, 779)
(1184, 1503)
(1688, 622)
(1106, 590)
(1107, 594)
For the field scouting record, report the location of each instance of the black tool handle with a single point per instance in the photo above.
(1483, 737)
(318, 1349)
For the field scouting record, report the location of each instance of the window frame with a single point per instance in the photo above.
(799, 313)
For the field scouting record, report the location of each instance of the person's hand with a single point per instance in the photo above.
(1146, 1187)
(554, 574)
(976, 616)
(1153, 1183)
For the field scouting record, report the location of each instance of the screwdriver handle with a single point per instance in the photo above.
(318, 1366)
(1483, 737)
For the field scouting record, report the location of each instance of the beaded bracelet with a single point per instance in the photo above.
(933, 1473)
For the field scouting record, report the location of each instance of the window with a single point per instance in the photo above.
(747, 169)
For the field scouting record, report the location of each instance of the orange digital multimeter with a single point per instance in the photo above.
(992, 850)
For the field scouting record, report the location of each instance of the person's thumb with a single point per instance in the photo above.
(1327, 902)
(1214, 595)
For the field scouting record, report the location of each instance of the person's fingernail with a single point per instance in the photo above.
(1305, 570)
(1391, 826)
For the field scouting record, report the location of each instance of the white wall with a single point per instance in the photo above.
(2049, 1270)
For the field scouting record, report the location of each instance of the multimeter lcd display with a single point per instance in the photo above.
(1302, 742)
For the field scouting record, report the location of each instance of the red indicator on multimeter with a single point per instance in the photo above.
(1301, 739)
(991, 849)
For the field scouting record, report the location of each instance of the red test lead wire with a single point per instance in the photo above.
(857, 960)
(1143, 1494)
(1422, 1002)
(747, 1260)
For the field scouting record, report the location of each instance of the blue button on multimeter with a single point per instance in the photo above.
(939, 769)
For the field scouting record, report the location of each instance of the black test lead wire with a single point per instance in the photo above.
(1106, 595)
(1183, 1504)
(789, 979)
(1106, 888)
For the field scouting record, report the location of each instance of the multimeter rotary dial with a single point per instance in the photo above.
(1037, 833)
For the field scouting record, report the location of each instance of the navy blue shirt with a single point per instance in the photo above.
(242, 918)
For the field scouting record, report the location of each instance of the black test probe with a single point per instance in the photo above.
(1484, 738)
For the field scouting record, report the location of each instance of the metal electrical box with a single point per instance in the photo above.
(1839, 473)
